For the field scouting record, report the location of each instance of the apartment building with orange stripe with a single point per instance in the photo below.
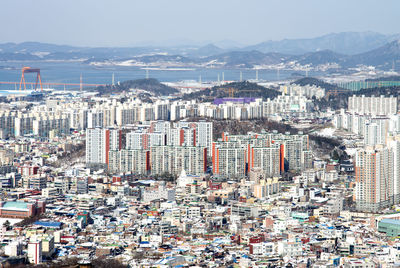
(99, 142)
(375, 180)
(234, 155)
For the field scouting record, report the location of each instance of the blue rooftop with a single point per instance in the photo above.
(51, 224)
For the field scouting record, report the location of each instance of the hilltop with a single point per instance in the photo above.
(240, 89)
(339, 101)
(151, 85)
(316, 82)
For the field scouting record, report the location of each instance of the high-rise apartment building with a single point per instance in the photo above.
(144, 140)
(174, 159)
(372, 105)
(136, 161)
(375, 181)
(202, 133)
(44, 126)
(99, 142)
(266, 158)
(236, 155)
(229, 159)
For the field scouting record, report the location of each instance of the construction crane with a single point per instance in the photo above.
(41, 84)
(335, 92)
(232, 91)
(31, 70)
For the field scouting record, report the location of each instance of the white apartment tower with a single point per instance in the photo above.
(35, 252)
(99, 142)
(373, 105)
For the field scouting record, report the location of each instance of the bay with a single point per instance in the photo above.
(70, 72)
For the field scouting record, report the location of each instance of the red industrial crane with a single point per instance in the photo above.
(31, 70)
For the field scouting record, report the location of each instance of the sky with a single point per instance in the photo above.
(173, 22)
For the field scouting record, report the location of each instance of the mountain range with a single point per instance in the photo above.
(346, 50)
(383, 58)
(348, 43)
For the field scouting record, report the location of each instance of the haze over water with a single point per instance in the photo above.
(69, 72)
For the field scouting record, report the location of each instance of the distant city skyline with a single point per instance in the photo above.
(155, 22)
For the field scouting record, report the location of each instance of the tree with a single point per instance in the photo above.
(107, 263)
(335, 155)
(7, 224)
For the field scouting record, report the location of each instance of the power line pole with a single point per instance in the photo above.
(80, 84)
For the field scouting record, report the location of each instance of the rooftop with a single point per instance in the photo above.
(48, 224)
(15, 205)
(391, 221)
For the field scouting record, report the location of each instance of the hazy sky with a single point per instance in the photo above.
(132, 22)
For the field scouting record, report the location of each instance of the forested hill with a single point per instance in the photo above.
(386, 91)
(340, 101)
(387, 78)
(238, 89)
(150, 85)
(316, 82)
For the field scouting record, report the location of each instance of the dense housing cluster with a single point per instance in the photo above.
(156, 184)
